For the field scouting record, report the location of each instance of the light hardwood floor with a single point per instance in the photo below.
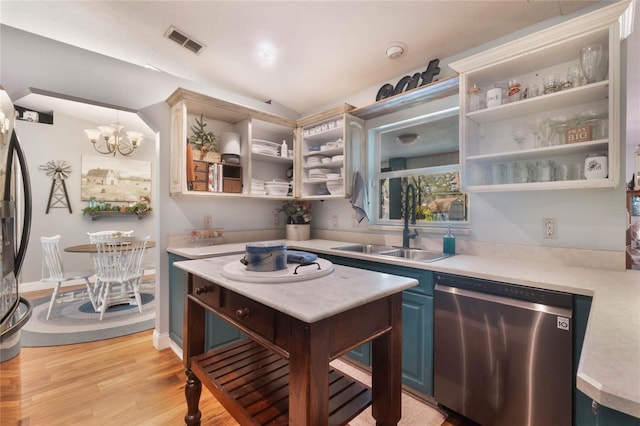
(121, 381)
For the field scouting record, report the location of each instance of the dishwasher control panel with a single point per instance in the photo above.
(513, 291)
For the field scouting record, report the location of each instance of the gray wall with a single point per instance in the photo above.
(66, 140)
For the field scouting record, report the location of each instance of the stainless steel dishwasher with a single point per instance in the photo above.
(502, 352)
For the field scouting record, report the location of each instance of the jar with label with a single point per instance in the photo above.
(514, 92)
(596, 166)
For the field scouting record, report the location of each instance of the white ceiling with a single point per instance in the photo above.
(325, 50)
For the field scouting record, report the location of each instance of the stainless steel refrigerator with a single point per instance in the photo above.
(15, 224)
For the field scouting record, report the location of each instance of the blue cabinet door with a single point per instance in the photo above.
(176, 299)
(218, 332)
(417, 342)
(417, 324)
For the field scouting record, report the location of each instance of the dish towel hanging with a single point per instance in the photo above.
(359, 199)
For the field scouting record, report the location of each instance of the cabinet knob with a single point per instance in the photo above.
(243, 313)
(203, 290)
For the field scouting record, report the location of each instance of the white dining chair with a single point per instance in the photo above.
(95, 237)
(53, 271)
(119, 271)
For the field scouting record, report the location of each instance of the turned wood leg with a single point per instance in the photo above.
(192, 391)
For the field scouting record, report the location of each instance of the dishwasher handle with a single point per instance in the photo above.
(548, 309)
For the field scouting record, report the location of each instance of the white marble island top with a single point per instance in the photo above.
(310, 300)
(609, 368)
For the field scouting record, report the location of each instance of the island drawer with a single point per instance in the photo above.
(206, 291)
(254, 316)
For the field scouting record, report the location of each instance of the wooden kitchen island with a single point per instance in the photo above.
(281, 375)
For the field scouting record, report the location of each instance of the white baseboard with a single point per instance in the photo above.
(176, 349)
(161, 340)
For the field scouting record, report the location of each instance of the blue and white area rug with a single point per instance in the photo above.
(77, 322)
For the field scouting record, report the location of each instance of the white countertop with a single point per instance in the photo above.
(609, 369)
(310, 300)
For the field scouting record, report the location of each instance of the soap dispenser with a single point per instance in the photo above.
(449, 242)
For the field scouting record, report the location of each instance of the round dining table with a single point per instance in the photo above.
(91, 248)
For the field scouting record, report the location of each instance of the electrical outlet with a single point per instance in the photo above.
(335, 220)
(550, 228)
(207, 221)
(276, 219)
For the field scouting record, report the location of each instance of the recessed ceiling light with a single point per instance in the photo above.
(266, 54)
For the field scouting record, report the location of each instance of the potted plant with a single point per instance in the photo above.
(298, 219)
(204, 143)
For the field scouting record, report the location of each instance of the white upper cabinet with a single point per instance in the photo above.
(329, 154)
(526, 121)
(261, 136)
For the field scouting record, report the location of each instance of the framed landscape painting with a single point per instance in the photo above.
(115, 179)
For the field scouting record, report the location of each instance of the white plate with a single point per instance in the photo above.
(238, 272)
(266, 144)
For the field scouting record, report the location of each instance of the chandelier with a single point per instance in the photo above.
(111, 139)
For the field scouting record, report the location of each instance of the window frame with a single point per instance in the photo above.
(375, 173)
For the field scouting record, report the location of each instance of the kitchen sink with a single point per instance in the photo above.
(403, 253)
(415, 254)
(365, 248)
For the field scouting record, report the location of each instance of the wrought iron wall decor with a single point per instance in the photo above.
(59, 170)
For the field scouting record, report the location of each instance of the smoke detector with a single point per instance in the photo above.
(396, 50)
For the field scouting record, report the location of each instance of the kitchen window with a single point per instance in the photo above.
(422, 151)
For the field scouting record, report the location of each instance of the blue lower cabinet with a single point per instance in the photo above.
(590, 414)
(417, 324)
(417, 342)
(584, 413)
(218, 331)
(176, 299)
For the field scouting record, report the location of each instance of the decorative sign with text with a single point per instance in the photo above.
(410, 82)
(578, 134)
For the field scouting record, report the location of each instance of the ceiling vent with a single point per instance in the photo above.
(184, 40)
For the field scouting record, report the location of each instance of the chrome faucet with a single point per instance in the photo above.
(409, 210)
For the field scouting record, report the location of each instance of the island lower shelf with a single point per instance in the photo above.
(252, 383)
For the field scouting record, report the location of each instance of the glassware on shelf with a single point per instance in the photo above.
(551, 83)
(547, 132)
(558, 125)
(519, 135)
(594, 61)
(475, 98)
(544, 171)
(598, 121)
(533, 90)
(499, 174)
(563, 171)
(520, 172)
(574, 77)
